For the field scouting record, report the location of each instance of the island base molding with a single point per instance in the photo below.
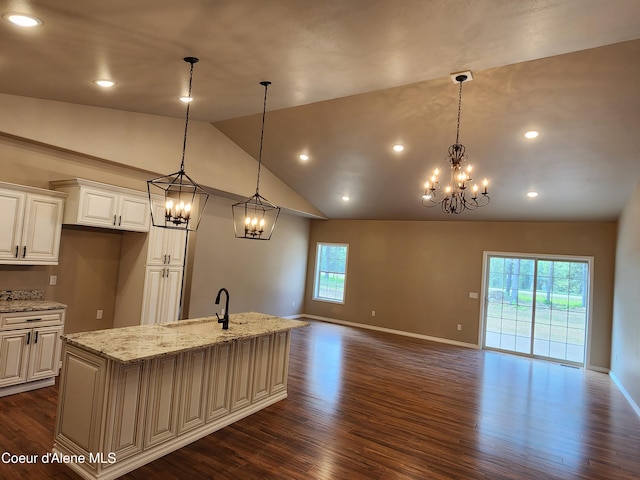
(114, 416)
(125, 466)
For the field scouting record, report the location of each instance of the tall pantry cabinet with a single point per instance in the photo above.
(163, 272)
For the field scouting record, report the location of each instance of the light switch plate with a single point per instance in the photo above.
(53, 280)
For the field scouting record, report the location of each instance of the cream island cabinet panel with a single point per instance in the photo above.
(29, 349)
(32, 223)
(130, 395)
(97, 204)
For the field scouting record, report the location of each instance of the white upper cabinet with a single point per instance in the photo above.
(99, 205)
(166, 245)
(32, 222)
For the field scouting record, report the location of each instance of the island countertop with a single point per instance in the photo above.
(143, 342)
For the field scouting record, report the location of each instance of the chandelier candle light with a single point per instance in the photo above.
(456, 197)
(255, 217)
(183, 199)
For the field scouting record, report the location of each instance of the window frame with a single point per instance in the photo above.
(316, 273)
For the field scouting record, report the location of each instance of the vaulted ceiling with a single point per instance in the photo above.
(353, 78)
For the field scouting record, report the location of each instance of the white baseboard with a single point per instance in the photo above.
(390, 330)
(633, 404)
(25, 387)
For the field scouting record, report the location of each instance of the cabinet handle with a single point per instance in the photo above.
(36, 339)
(24, 251)
(169, 259)
(17, 247)
(120, 220)
(163, 273)
(165, 259)
(114, 219)
(33, 319)
(28, 338)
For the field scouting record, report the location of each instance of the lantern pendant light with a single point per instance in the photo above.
(255, 217)
(183, 200)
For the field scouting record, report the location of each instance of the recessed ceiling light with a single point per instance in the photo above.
(105, 83)
(532, 194)
(186, 99)
(22, 20)
(398, 148)
(531, 134)
(304, 157)
(346, 198)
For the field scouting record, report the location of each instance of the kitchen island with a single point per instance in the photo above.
(131, 395)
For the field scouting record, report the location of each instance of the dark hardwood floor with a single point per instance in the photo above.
(370, 405)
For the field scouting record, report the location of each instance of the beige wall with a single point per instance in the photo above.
(417, 275)
(87, 275)
(625, 347)
(261, 276)
(150, 143)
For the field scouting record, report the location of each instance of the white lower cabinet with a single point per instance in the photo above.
(29, 353)
(162, 291)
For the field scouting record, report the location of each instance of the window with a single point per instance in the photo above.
(331, 272)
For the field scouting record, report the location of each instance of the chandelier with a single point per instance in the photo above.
(460, 193)
(255, 217)
(183, 199)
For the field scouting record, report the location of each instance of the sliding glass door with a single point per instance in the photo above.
(537, 306)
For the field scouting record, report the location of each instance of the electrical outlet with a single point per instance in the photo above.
(53, 280)
(459, 327)
(373, 313)
(99, 314)
(473, 294)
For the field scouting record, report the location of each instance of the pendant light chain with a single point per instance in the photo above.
(264, 111)
(459, 108)
(191, 60)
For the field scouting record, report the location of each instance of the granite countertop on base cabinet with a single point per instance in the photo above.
(143, 342)
(12, 306)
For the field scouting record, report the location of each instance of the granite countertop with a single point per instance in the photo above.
(143, 342)
(10, 306)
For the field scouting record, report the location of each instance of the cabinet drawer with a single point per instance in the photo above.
(31, 319)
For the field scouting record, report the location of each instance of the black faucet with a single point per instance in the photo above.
(225, 319)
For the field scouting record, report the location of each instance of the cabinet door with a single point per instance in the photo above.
(153, 283)
(127, 401)
(44, 353)
(133, 213)
(242, 374)
(97, 207)
(14, 357)
(280, 366)
(162, 291)
(42, 228)
(221, 359)
(176, 241)
(11, 214)
(166, 246)
(162, 403)
(193, 397)
(172, 290)
(262, 368)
